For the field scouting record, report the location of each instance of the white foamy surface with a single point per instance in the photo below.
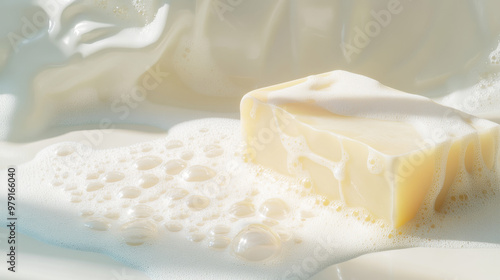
(189, 199)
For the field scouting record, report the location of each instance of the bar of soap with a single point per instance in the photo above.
(368, 145)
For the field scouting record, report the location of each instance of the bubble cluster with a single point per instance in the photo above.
(148, 180)
(173, 226)
(197, 173)
(198, 202)
(177, 191)
(147, 162)
(274, 208)
(256, 243)
(174, 166)
(242, 209)
(375, 163)
(97, 224)
(175, 185)
(495, 56)
(136, 232)
(113, 176)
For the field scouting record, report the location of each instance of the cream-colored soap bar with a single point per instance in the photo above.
(369, 145)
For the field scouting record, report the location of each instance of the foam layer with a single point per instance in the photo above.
(242, 223)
